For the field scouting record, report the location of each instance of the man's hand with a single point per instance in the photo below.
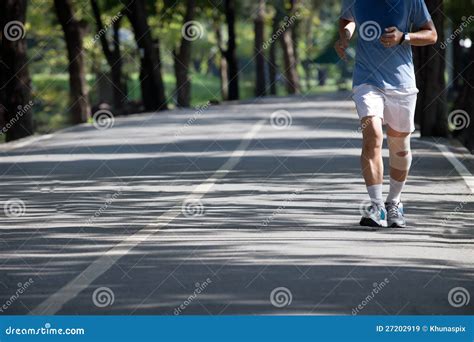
(341, 46)
(343, 43)
(392, 37)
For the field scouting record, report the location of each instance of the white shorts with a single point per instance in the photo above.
(396, 108)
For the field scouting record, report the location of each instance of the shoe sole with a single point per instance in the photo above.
(368, 222)
(394, 225)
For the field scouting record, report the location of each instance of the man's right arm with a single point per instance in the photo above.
(346, 31)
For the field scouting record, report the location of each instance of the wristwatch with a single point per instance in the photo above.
(405, 39)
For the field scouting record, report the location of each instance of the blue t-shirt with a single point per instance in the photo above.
(386, 68)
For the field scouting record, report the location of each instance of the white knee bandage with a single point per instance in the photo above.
(400, 153)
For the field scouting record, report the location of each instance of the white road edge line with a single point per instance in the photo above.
(55, 302)
(458, 165)
(26, 142)
(13, 145)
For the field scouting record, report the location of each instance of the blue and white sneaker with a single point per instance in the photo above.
(374, 216)
(396, 215)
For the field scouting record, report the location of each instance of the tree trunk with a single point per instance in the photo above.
(309, 36)
(113, 57)
(15, 92)
(260, 84)
(120, 83)
(291, 74)
(3, 70)
(308, 75)
(294, 6)
(151, 81)
(465, 102)
(289, 58)
(458, 64)
(182, 59)
(3, 110)
(223, 69)
(73, 35)
(272, 64)
(231, 53)
(431, 111)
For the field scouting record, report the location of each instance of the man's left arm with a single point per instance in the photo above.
(427, 35)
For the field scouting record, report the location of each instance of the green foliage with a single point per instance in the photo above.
(49, 63)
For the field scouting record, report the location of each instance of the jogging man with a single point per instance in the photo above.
(384, 91)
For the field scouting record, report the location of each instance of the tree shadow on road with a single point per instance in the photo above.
(286, 215)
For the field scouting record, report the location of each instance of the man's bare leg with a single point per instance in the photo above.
(371, 158)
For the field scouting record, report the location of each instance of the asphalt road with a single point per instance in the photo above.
(230, 209)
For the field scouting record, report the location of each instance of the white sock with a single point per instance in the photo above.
(375, 194)
(395, 191)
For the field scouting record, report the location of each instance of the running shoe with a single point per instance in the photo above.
(396, 215)
(374, 216)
